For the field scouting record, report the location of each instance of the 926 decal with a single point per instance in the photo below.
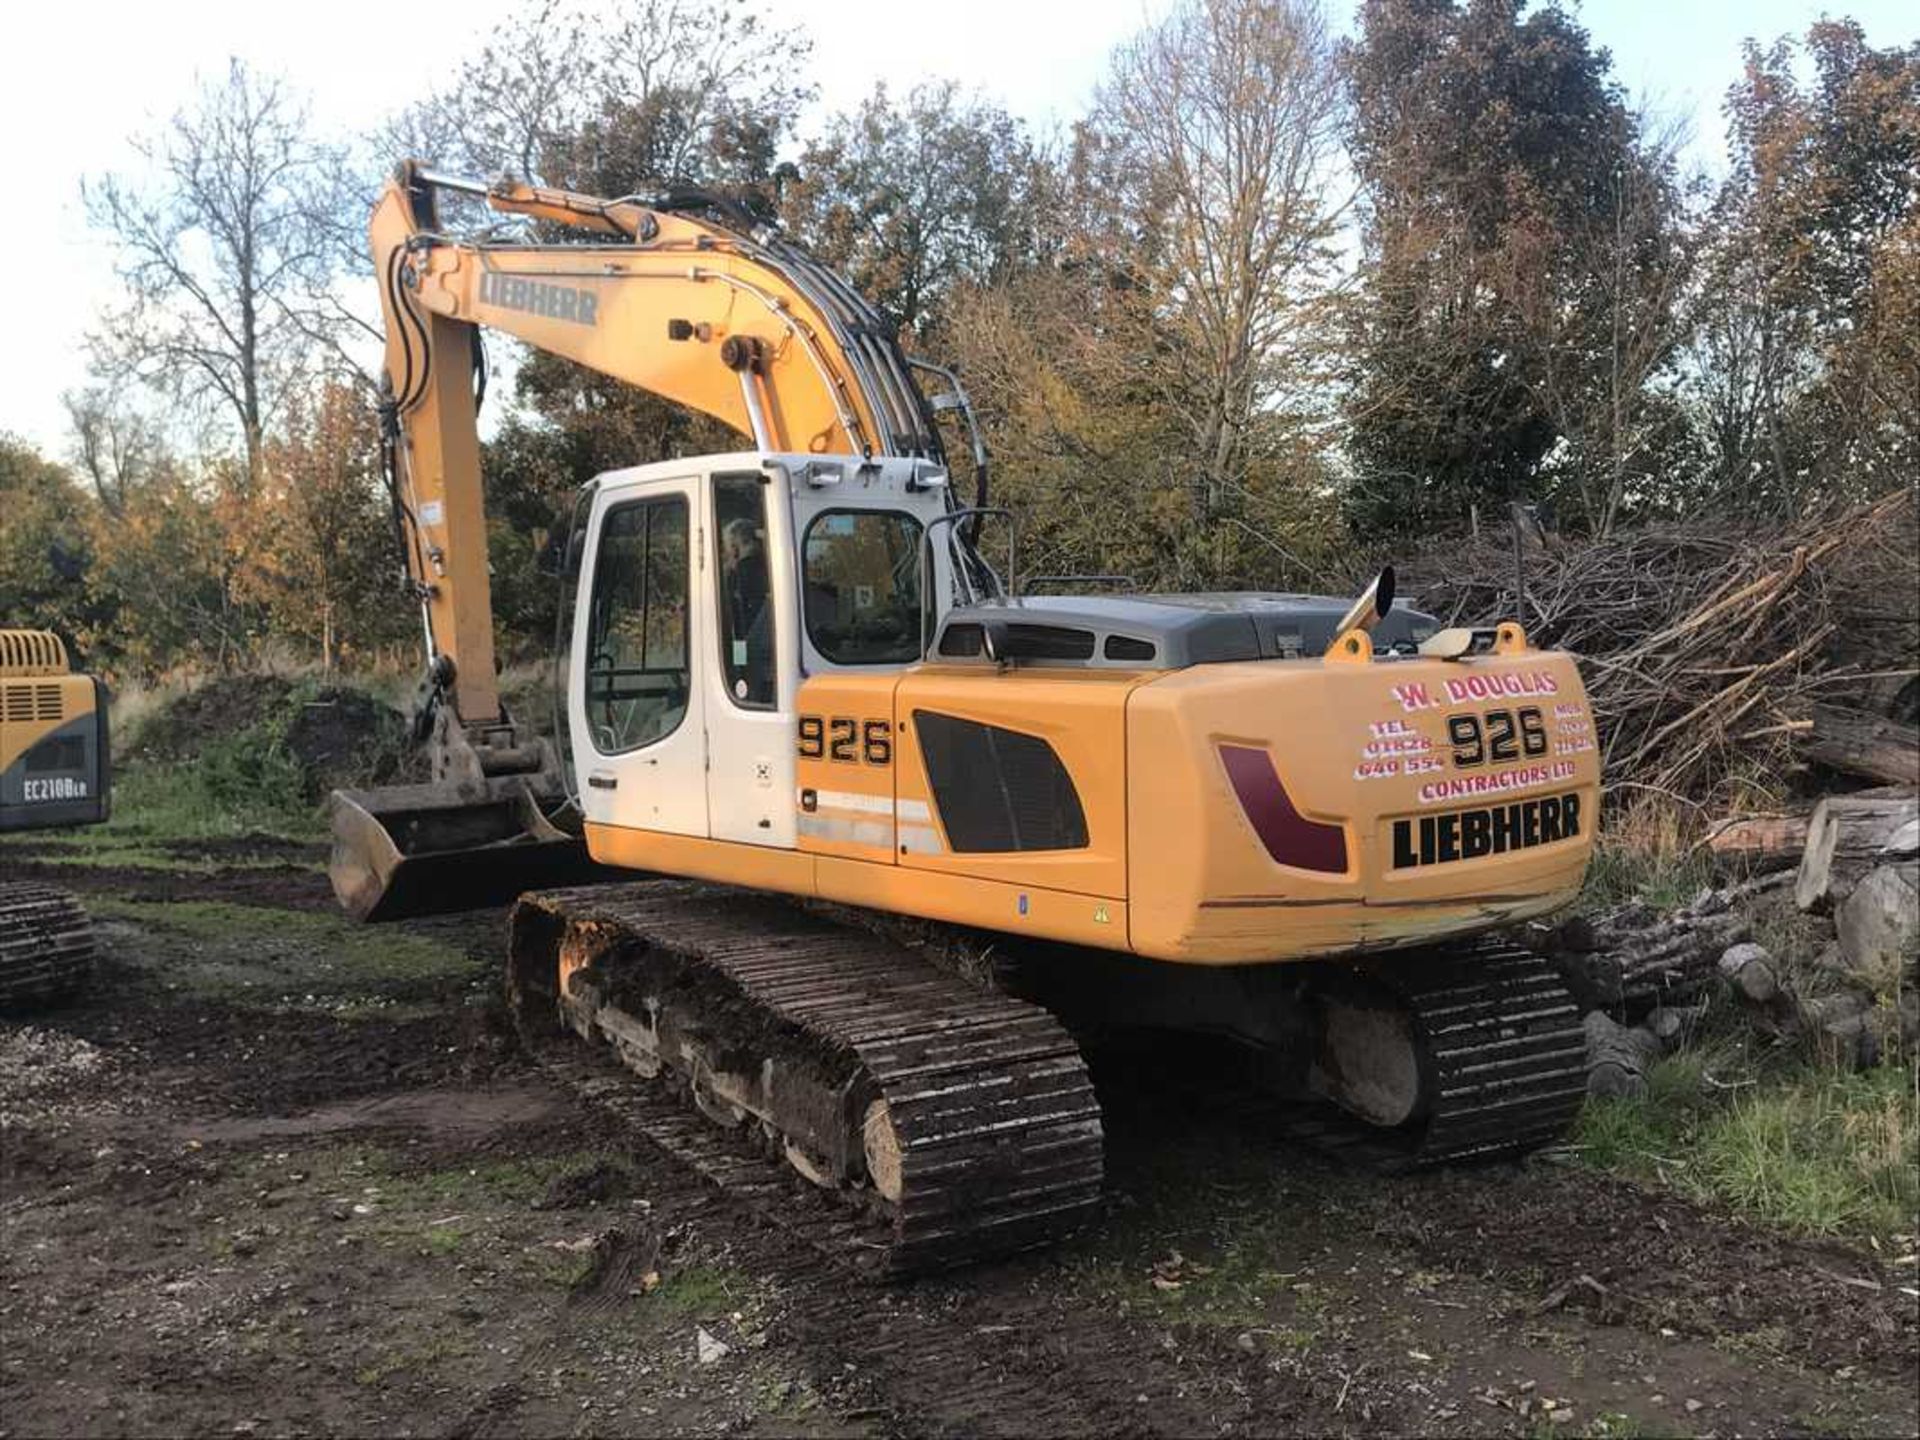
(1497, 736)
(845, 739)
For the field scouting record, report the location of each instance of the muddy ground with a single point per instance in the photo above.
(280, 1175)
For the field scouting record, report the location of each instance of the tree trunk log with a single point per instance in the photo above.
(1629, 963)
(1861, 743)
(1848, 836)
(1758, 843)
(1618, 1057)
(1879, 926)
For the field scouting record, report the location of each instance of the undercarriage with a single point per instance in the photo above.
(945, 1117)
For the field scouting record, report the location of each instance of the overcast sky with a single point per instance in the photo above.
(81, 80)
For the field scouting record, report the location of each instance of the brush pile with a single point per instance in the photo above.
(1722, 660)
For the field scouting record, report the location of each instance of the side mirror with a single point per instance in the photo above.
(993, 640)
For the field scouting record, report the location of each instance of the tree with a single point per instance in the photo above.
(1513, 224)
(1227, 114)
(1604, 319)
(610, 102)
(167, 570)
(225, 266)
(45, 551)
(909, 199)
(1806, 371)
(658, 91)
(115, 445)
(317, 547)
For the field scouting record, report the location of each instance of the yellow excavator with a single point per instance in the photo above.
(827, 735)
(54, 773)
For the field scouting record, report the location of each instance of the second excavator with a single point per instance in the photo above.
(804, 705)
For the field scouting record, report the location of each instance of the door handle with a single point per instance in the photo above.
(603, 782)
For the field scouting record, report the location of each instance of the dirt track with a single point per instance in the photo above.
(278, 1175)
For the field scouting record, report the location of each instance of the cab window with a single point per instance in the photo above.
(861, 577)
(637, 672)
(746, 592)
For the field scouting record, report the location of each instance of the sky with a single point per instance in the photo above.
(359, 60)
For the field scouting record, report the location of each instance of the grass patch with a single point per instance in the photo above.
(702, 1290)
(156, 802)
(255, 954)
(1645, 852)
(1811, 1149)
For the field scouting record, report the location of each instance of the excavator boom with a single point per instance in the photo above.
(683, 295)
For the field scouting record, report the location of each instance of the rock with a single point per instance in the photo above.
(1749, 967)
(707, 1349)
(1840, 1027)
(1879, 927)
(1819, 1011)
(1708, 901)
(1893, 1026)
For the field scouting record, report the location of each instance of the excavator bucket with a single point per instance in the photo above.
(408, 850)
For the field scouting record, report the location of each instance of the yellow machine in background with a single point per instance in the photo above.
(54, 772)
(1278, 818)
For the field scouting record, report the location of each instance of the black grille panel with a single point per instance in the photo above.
(998, 789)
(1049, 642)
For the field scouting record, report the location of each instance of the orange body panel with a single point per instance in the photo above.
(1174, 867)
(1082, 715)
(844, 769)
(1361, 746)
(961, 900)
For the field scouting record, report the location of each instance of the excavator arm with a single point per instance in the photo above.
(743, 327)
(683, 295)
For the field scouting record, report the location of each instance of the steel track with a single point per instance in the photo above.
(1504, 1061)
(46, 945)
(998, 1129)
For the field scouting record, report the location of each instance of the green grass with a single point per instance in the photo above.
(157, 802)
(1810, 1149)
(1624, 870)
(702, 1290)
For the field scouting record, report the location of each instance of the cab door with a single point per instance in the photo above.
(635, 708)
(751, 670)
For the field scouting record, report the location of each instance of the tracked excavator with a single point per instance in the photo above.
(822, 733)
(54, 773)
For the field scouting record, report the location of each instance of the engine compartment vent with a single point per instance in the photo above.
(998, 789)
(21, 704)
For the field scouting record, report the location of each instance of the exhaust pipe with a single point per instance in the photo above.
(1372, 606)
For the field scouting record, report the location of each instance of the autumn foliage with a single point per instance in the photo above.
(1276, 305)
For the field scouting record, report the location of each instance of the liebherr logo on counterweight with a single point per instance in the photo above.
(538, 297)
